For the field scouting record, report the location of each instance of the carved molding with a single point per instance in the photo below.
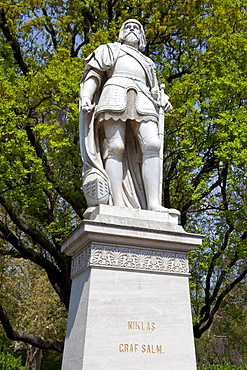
(130, 259)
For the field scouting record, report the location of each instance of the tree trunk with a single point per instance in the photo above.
(34, 356)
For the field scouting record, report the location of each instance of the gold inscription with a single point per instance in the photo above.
(145, 348)
(140, 325)
(150, 348)
(141, 348)
(128, 347)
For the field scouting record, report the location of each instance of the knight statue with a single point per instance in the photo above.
(120, 104)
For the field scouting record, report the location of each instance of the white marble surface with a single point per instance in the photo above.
(130, 227)
(103, 212)
(130, 305)
(129, 320)
(119, 94)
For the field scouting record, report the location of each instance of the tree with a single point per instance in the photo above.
(225, 341)
(33, 305)
(200, 48)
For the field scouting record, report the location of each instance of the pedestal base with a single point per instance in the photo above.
(130, 306)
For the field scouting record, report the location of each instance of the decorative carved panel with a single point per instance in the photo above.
(131, 259)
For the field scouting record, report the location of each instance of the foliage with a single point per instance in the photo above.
(200, 50)
(225, 341)
(5, 343)
(221, 367)
(51, 365)
(23, 287)
(9, 362)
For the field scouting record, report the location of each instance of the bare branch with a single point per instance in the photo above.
(198, 331)
(28, 338)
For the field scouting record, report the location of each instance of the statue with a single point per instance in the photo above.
(119, 118)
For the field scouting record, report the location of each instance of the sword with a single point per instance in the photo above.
(161, 137)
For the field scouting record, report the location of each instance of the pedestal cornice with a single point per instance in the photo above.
(136, 228)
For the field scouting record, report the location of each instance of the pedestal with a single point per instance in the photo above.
(130, 305)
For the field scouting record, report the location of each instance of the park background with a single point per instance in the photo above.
(200, 51)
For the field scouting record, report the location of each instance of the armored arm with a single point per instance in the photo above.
(88, 87)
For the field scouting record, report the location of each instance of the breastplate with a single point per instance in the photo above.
(127, 66)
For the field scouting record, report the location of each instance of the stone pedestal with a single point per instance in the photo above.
(130, 305)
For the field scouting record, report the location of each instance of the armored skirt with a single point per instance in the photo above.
(124, 98)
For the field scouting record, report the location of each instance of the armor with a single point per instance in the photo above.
(127, 69)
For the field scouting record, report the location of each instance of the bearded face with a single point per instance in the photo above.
(132, 34)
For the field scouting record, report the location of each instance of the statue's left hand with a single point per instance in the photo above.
(165, 104)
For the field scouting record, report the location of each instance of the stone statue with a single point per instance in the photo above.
(120, 105)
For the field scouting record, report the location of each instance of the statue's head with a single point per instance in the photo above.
(132, 26)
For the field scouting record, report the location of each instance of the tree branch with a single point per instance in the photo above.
(74, 33)
(28, 338)
(59, 280)
(77, 204)
(15, 45)
(11, 253)
(167, 182)
(198, 331)
(50, 29)
(189, 203)
(37, 236)
(178, 74)
(209, 299)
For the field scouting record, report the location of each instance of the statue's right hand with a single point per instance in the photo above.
(85, 104)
